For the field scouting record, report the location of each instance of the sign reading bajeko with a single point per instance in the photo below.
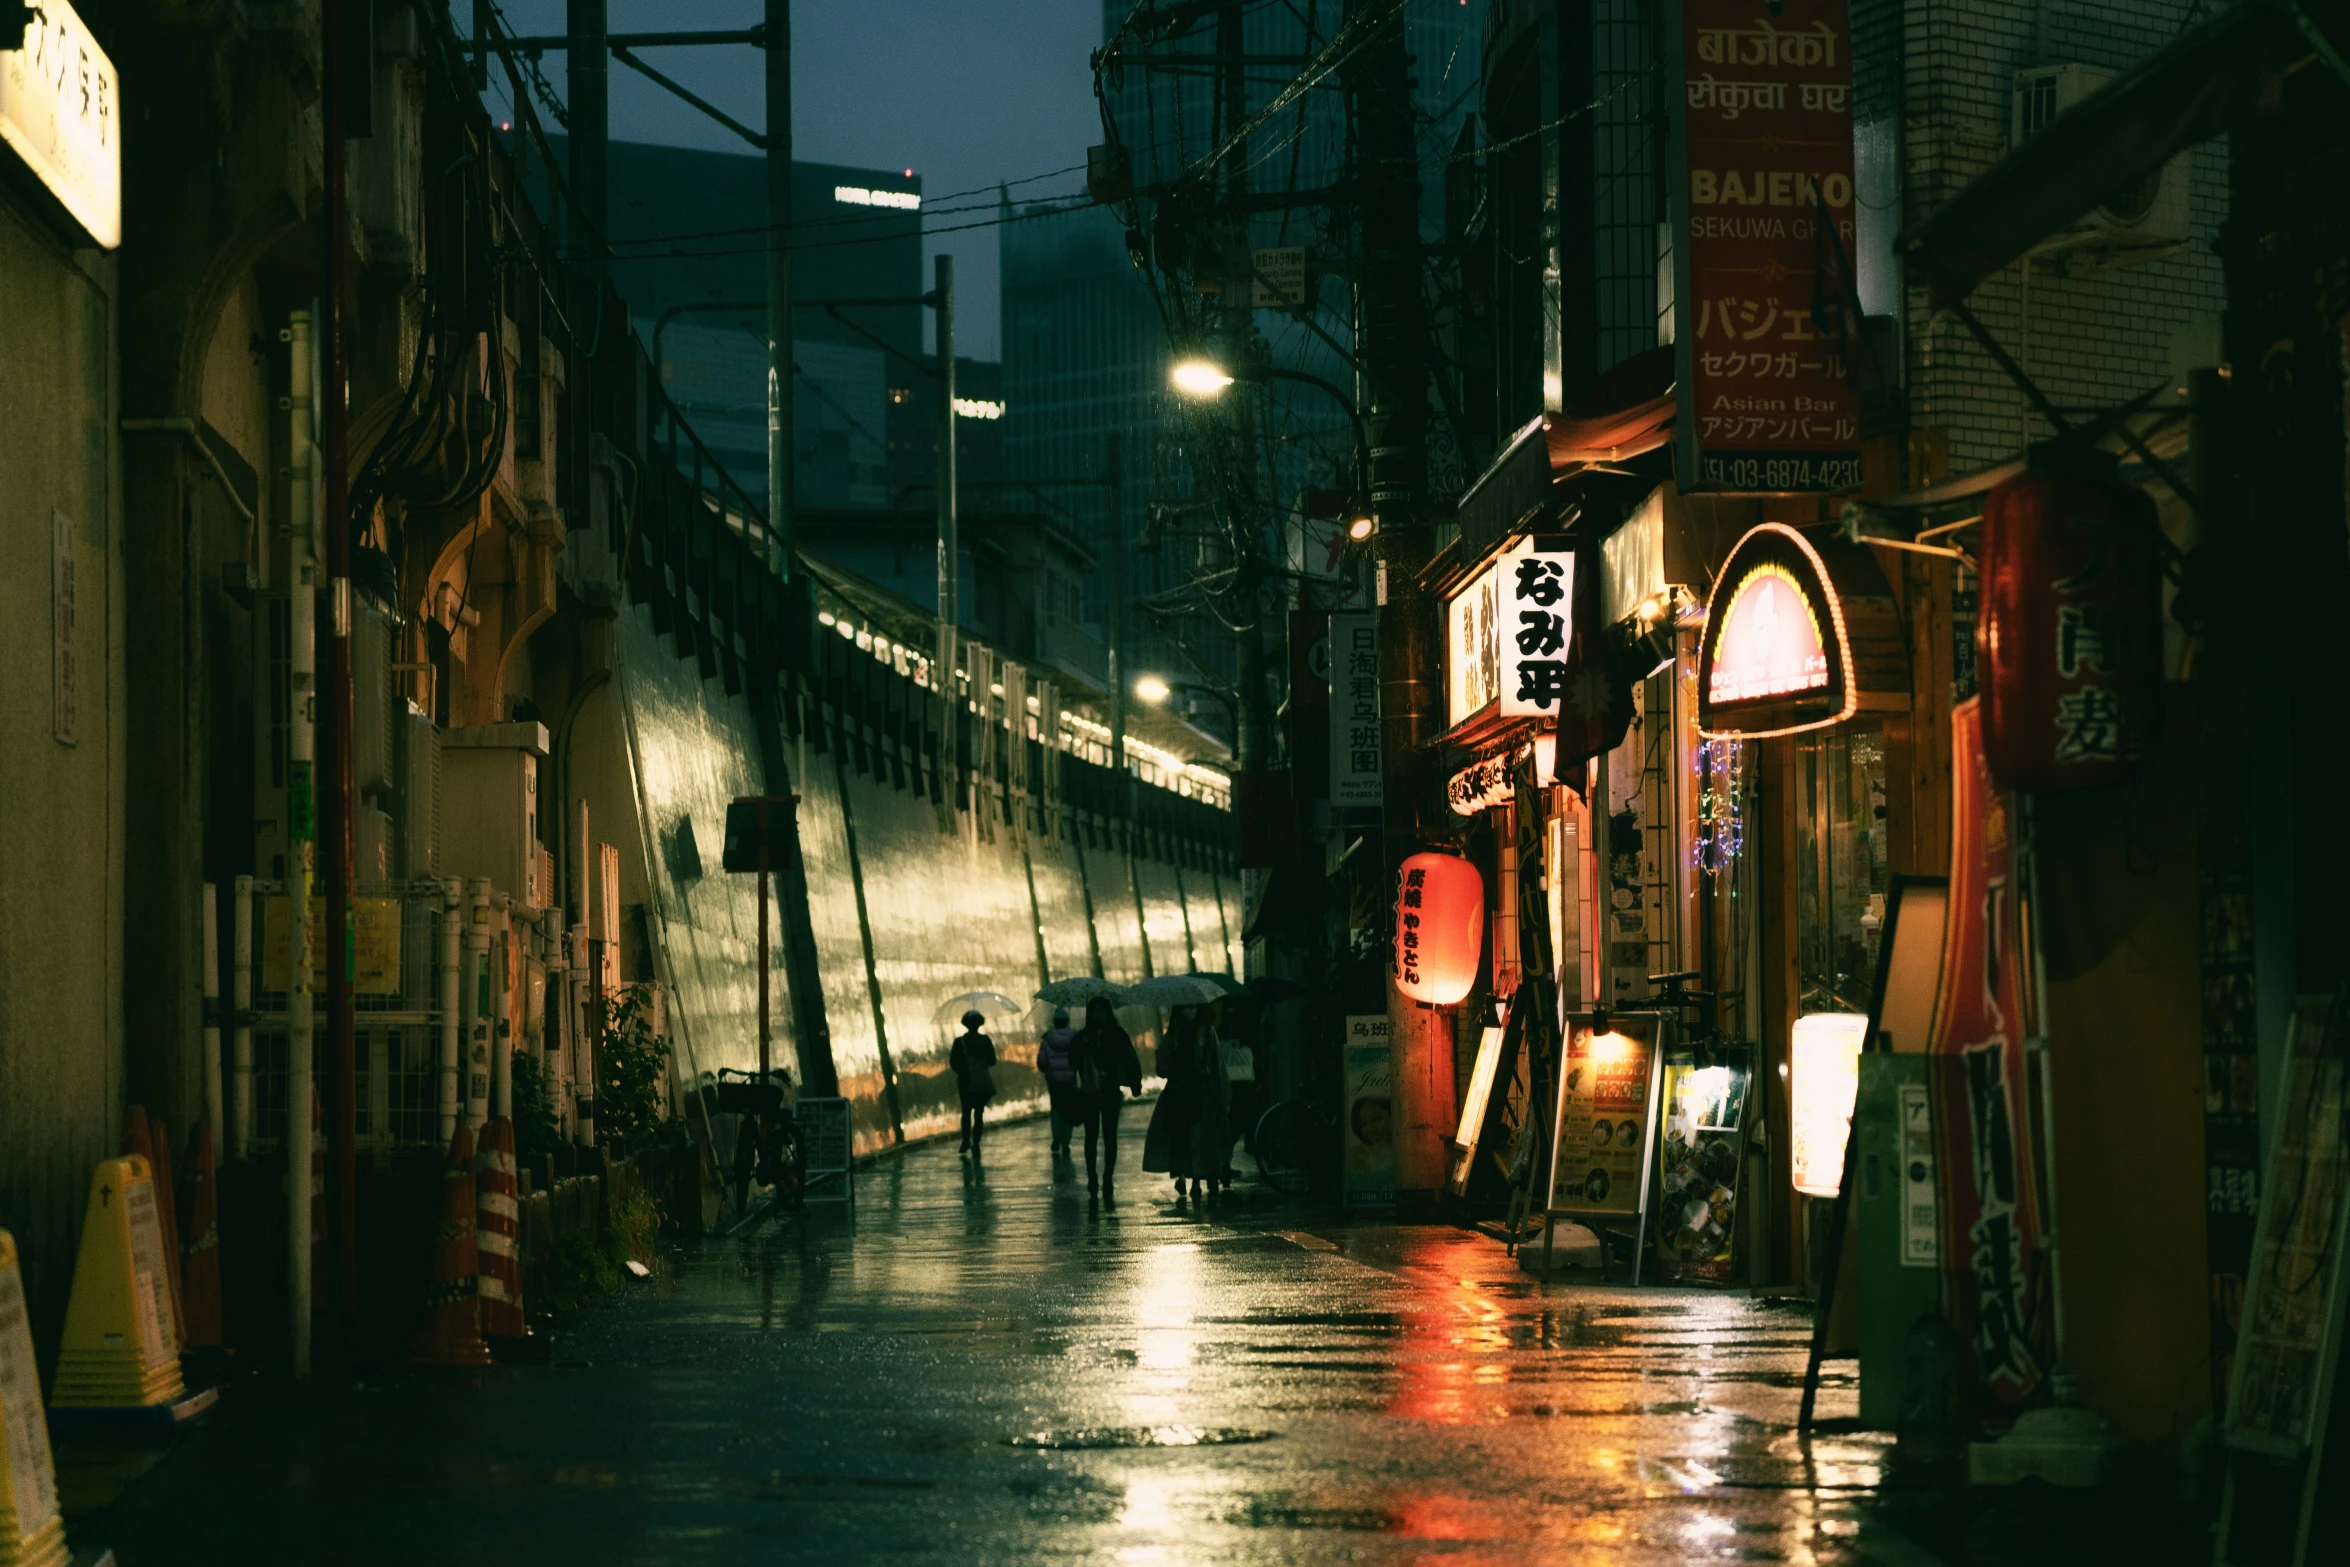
(61, 112)
(1763, 235)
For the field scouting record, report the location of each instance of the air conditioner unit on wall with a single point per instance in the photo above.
(2152, 213)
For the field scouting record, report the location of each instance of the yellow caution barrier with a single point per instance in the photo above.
(31, 1532)
(122, 1343)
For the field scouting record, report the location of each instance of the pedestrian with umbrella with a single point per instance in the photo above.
(1104, 1062)
(972, 1059)
(1053, 1059)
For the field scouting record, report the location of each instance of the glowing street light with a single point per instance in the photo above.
(1152, 689)
(1199, 378)
(1360, 528)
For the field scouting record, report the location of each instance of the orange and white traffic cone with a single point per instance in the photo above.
(200, 1326)
(498, 1231)
(138, 1138)
(451, 1335)
(167, 1216)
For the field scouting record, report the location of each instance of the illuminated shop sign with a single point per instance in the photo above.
(1799, 635)
(978, 408)
(1823, 1079)
(61, 112)
(859, 196)
(1772, 642)
(1507, 636)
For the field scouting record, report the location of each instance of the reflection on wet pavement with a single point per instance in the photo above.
(990, 1367)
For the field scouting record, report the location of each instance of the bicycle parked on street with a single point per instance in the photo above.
(768, 1151)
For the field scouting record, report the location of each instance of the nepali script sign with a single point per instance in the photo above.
(1764, 325)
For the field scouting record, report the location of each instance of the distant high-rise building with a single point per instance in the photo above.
(1087, 343)
(689, 254)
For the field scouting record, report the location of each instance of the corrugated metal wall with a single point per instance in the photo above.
(968, 882)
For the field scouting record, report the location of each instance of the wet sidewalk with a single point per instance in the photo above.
(990, 1367)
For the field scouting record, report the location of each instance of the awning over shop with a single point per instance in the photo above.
(2205, 81)
(1627, 414)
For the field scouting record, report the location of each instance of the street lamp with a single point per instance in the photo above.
(1199, 378)
(1156, 689)
(1204, 378)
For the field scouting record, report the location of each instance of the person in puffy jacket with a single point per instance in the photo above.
(1060, 1080)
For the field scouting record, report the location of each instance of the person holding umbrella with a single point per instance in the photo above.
(972, 1059)
(1053, 1059)
(1102, 1060)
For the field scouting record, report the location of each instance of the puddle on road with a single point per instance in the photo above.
(1086, 1437)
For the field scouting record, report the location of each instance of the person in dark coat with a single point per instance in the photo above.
(1171, 1146)
(1060, 1081)
(972, 1060)
(1103, 1057)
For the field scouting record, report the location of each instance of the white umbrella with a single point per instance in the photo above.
(1175, 990)
(987, 1003)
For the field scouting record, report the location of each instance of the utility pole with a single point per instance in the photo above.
(1251, 717)
(589, 70)
(779, 233)
(1392, 349)
(950, 542)
(1115, 558)
(336, 795)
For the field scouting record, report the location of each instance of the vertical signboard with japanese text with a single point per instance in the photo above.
(1354, 711)
(1536, 590)
(1762, 198)
(1984, 1153)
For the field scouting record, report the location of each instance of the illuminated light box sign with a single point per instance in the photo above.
(1507, 636)
(1823, 1078)
(61, 112)
(1799, 635)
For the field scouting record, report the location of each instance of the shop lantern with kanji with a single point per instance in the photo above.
(2068, 643)
(1439, 928)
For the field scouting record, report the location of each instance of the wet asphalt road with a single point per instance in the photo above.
(965, 1375)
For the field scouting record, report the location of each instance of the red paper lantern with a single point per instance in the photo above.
(1439, 928)
(2068, 646)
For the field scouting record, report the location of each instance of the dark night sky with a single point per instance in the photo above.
(963, 92)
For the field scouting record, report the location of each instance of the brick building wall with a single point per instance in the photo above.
(2090, 333)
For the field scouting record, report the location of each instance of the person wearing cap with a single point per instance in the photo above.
(972, 1060)
(1053, 1059)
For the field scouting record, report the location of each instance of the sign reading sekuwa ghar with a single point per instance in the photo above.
(1764, 329)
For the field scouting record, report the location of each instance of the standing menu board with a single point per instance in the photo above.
(829, 1148)
(1704, 1150)
(1604, 1157)
(1370, 1111)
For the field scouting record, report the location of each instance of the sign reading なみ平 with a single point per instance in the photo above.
(1763, 211)
(61, 112)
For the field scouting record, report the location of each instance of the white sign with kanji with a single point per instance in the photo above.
(1354, 710)
(1535, 627)
(61, 111)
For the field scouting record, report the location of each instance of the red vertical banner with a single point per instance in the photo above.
(1994, 1266)
(1763, 234)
